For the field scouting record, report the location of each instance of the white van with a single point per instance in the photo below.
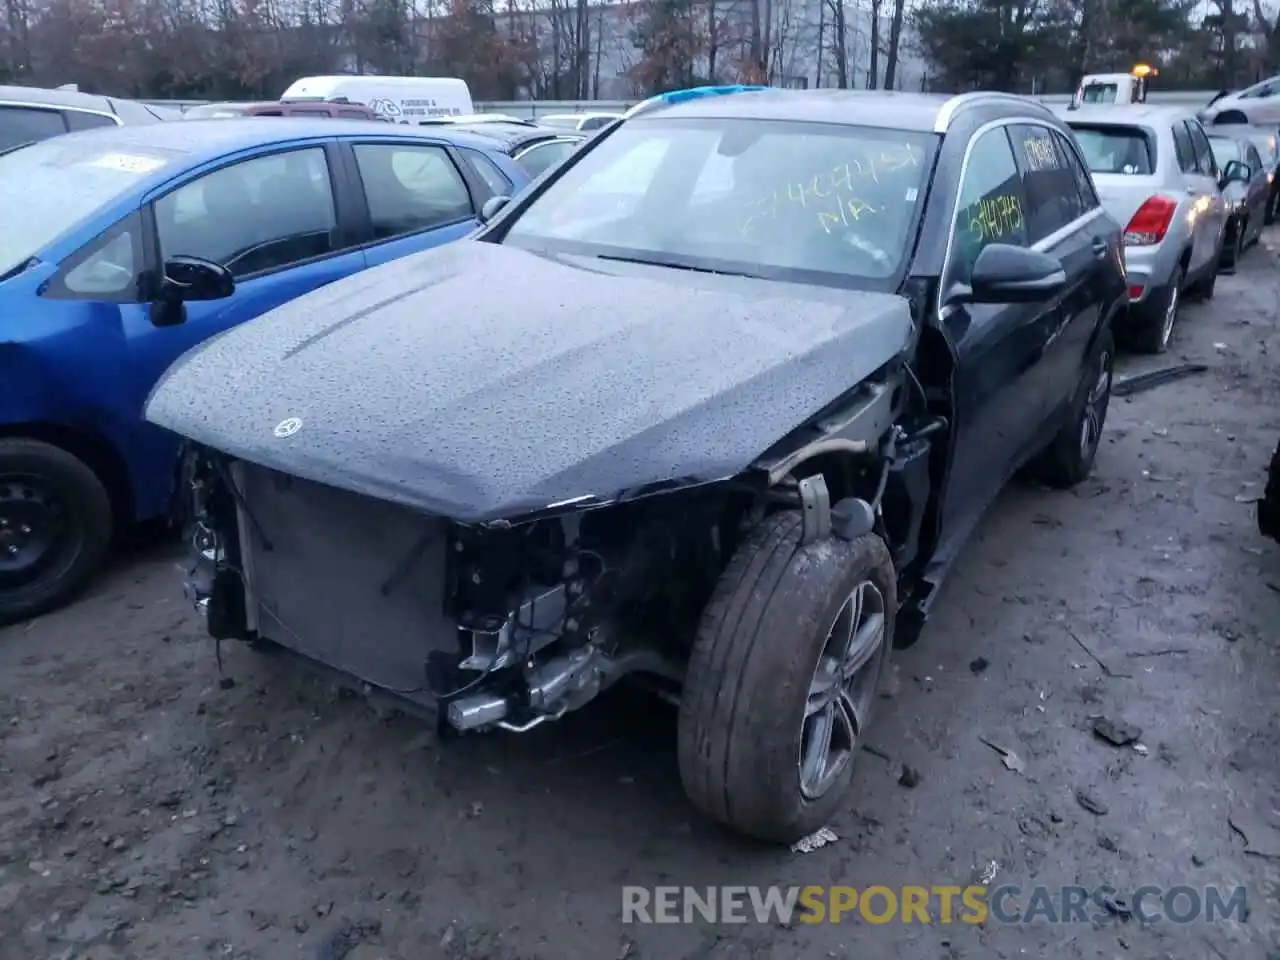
(397, 99)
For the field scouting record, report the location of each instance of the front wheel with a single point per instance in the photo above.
(783, 677)
(1234, 248)
(55, 527)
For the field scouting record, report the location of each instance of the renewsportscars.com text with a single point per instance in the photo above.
(930, 905)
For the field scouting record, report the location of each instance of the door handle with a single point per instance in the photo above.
(1192, 191)
(1100, 247)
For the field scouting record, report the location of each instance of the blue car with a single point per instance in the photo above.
(123, 247)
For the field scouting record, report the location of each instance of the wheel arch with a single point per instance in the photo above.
(94, 450)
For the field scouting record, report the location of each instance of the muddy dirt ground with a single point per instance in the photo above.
(148, 811)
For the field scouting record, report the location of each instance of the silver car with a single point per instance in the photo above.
(28, 114)
(1259, 104)
(1155, 172)
(1245, 187)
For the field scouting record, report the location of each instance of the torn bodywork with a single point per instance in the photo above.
(516, 621)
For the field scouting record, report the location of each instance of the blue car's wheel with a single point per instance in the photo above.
(55, 526)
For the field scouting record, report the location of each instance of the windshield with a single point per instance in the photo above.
(1266, 88)
(1100, 93)
(47, 188)
(813, 202)
(1224, 151)
(1108, 149)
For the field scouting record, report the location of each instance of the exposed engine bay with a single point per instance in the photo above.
(513, 623)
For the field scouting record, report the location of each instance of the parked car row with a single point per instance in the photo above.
(518, 412)
(1192, 201)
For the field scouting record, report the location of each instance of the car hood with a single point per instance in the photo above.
(479, 381)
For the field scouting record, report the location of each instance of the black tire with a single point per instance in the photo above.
(1233, 250)
(54, 557)
(1269, 505)
(1203, 289)
(1068, 459)
(762, 638)
(1273, 208)
(1151, 326)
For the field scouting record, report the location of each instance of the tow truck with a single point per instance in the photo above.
(1128, 87)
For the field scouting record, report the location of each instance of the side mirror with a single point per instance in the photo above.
(1237, 172)
(1007, 274)
(491, 208)
(188, 279)
(194, 278)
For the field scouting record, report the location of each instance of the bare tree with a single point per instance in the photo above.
(895, 37)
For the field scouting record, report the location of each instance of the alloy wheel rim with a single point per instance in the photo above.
(1170, 314)
(32, 521)
(1095, 407)
(842, 690)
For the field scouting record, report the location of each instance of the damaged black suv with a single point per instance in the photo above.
(713, 406)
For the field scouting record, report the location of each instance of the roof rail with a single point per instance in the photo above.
(691, 93)
(952, 106)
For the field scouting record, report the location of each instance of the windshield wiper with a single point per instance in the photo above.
(24, 266)
(677, 266)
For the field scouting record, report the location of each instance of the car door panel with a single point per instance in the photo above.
(1259, 189)
(1206, 170)
(1061, 226)
(285, 201)
(998, 347)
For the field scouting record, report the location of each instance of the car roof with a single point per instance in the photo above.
(512, 135)
(1126, 114)
(208, 139)
(888, 109)
(130, 111)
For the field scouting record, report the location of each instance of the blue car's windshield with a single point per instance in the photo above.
(812, 202)
(47, 188)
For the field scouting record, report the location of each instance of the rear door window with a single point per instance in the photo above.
(1205, 163)
(1183, 147)
(20, 125)
(493, 178)
(1053, 200)
(1084, 182)
(1254, 160)
(411, 188)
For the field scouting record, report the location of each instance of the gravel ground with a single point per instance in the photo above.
(146, 810)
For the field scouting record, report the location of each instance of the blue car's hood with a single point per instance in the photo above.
(480, 381)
